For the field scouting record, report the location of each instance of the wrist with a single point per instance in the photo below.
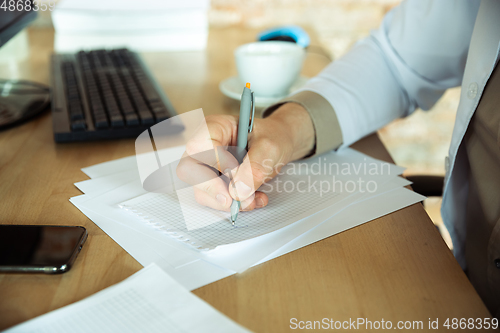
(299, 129)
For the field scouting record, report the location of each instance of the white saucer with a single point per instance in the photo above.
(232, 87)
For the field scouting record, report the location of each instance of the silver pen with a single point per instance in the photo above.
(245, 126)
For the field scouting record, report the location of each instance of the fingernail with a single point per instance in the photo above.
(246, 203)
(242, 190)
(259, 202)
(221, 199)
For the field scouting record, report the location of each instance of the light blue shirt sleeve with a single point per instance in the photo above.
(417, 53)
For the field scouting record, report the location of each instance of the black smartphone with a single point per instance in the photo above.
(39, 248)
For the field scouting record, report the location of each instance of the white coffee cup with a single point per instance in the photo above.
(270, 67)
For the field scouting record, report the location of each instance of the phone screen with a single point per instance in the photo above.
(47, 249)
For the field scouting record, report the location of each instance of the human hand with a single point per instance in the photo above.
(286, 135)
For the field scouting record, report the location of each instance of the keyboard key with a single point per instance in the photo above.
(128, 110)
(78, 125)
(96, 104)
(76, 113)
(159, 109)
(101, 122)
(146, 118)
(74, 103)
(161, 116)
(141, 107)
(99, 113)
(132, 119)
(116, 120)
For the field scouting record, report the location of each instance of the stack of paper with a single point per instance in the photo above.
(152, 228)
(148, 25)
(148, 301)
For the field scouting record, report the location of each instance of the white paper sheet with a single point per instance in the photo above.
(360, 212)
(164, 212)
(148, 301)
(100, 185)
(300, 191)
(189, 267)
(190, 272)
(129, 162)
(235, 257)
(175, 254)
(240, 256)
(196, 273)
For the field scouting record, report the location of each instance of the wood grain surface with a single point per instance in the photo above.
(394, 268)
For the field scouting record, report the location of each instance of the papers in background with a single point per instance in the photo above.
(156, 41)
(116, 181)
(148, 301)
(148, 25)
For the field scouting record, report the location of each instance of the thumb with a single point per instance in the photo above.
(241, 185)
(258, 167)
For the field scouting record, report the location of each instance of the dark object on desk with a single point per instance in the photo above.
(293, 34)
(13, 21)
(429, 186)
(39, 249)
(105, 94)
(20, 101)
(289, 33)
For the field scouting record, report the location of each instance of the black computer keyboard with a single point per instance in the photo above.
(105, 94)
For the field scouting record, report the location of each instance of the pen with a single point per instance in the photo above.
(245, 126)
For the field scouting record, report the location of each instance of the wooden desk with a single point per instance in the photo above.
(394, 268)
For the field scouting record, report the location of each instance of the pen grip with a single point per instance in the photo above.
(244, 123)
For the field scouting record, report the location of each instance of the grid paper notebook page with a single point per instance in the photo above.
(163, 211)
(149, 301)
(292, 197)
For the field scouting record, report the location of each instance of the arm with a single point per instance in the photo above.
(286, 135)
(418, 52)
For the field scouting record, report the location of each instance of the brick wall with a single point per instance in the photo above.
(338, 23)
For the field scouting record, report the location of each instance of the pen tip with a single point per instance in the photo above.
(248, 85)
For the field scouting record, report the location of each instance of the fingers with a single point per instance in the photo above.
(255, 201)
(208, 146)
(207, 152)
(203, 198)
(204, 179)
(260, 165)
(191, 171)
(261, 199)
(214, 132)
(201, 167)
(212, 190)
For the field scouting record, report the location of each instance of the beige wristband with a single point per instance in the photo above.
(326, 124)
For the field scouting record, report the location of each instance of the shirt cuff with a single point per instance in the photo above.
(325, 122)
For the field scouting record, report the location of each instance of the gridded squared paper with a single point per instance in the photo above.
(164, 212)
(293, 196)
